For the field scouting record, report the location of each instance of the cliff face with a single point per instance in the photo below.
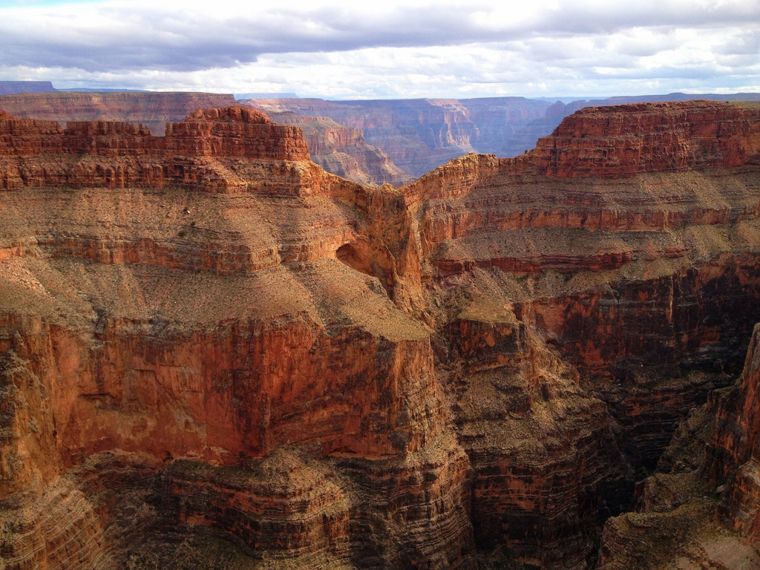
(343, 150)
(702, 508)
(733, 457)
(420, 134)
(119, 155)
(617, 141)
(215, 353)
(338, 149)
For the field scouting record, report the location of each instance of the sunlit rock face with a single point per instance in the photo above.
(216, 354)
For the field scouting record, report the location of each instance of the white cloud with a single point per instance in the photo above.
(390, 49)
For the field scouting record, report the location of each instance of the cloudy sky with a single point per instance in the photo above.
(387, 48)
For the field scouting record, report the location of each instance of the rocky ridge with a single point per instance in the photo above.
(151, 109)
(419, 135)
(338, 149)
(471, 369)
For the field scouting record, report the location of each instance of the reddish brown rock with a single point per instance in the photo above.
(644, 283)
(188, 155)
(621, 141)
(419, 135)
(702, 508)
(734, 451)
(338, 149)
(213, 350)
(229, 132)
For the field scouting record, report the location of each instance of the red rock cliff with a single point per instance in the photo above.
(213, 349)
(644, 282)
(654, 137)
(118, 155)
(734, 452)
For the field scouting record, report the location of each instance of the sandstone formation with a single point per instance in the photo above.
(338, 149)
(213, 353)
(734, 451)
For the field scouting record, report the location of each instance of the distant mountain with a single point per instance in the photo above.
(420, 134)
(343, 150)
(103, 90)
(12, 87)
(152, 109)
(266, 95)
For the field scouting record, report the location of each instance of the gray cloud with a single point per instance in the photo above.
(184, 36)
(394, 49)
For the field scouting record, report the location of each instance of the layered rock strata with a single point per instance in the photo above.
(152, 109)
(343, 150)
(214, 352)
(701, 509)
(420, 134)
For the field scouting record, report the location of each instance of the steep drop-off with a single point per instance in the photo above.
(421, 134)
(213, 353)
(343, 150)
(702, 507)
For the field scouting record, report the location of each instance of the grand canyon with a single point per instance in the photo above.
(214, 353)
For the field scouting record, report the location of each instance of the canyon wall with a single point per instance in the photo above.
(421, 134)
(338, 149)
(152, 109)
(213, 353)
(700, 509)
(343, 151)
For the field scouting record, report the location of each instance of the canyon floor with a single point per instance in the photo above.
(216, 354)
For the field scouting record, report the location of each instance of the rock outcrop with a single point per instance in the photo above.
(214, 353)
(338, 149)
(618, 141)
(119, 155)
(734, 451)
